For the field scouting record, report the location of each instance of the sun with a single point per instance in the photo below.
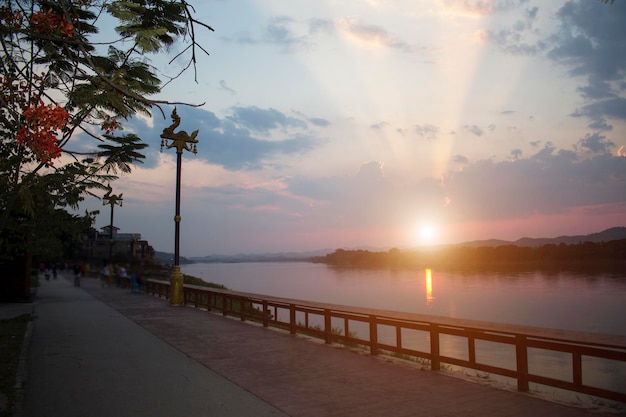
(425, 234)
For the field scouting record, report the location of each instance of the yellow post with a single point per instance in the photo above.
(177, 297)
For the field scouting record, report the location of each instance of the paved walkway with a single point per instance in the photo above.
(107, 352)
(87, 360)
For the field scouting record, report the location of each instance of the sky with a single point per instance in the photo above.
(386, 123)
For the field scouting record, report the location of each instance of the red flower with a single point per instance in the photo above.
(39, 132)
(48, 22)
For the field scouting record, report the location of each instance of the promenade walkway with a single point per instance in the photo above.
(107, 352)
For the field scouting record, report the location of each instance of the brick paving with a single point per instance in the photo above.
(304, 378)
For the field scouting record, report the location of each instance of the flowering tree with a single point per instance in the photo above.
(55, 83)
(64, 97)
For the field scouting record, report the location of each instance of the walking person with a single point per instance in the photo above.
(105, 275)
(77, 275)
(122, 276)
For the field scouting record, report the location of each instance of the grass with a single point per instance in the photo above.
(190, 279)
(12, 333)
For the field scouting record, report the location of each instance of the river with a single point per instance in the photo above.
(563, 300)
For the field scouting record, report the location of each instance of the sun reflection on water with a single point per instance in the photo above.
(428, 274)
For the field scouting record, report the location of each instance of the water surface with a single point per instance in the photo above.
(565, 300)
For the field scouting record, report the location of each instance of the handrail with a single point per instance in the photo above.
(333, 324)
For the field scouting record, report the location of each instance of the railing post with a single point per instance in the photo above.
(471, 349)
(577, 370)
(224, 308)
(266, 313)
(242, 307)
(521, 353)
(328, 330)
(434, 347)
(292, 318)
(398, 337)
(373, 336)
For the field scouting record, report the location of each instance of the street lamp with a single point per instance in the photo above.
(181, 141)
(111, 199)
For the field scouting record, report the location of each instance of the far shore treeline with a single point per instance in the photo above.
(593, 256)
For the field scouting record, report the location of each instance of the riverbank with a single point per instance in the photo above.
(580, 257)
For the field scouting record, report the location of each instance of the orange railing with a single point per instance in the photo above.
(519, 351)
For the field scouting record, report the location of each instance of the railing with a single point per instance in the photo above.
(438, 340)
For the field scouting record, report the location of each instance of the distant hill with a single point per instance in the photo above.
(261, 257)
(614, 233)
(166, 258)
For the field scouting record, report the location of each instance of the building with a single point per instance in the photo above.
(125, 245)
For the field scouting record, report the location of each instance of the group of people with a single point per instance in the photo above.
(51, 270)
(118, 274)
(48, 271)
(109, 275)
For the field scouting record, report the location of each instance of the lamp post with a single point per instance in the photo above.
(181, 141)
(111, 199)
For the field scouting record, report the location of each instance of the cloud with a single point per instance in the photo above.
(319, 122)
(595, 144)
(550, 181)
(547, 182)
(235, 149)
(615, 107)
(427, 131)
(366, 197)
(379, 126)
(590, 41)
(297, 36)
(225, 87)
(233, 141)
(600, 125)
(474, 130)
(243, 38)
(323, 26)
(371, 172)
(460, 159)
(518, 38)
(596, 89)
(481, 8)
(282, 30)
(373, 35)
(263, 120)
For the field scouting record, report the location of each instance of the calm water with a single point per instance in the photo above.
(593, 303)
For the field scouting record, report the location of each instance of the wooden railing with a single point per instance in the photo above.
(437, 340)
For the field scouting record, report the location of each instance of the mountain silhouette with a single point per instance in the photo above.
(614, 233)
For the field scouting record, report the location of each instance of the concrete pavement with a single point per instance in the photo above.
(86, 359)
(107, 352)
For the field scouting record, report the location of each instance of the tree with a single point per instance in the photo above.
(64, 96)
